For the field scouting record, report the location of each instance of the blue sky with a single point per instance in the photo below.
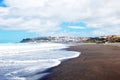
(14, 36)
(78, 27)
(17, 35)
(19, 20)
(2, 3)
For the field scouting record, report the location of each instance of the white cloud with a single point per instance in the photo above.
(107, 30)
(67, 33)
(31, 25)
(76, 27)
(46, 15)
(3, 11)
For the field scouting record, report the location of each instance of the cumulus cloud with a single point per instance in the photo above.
(43, 16)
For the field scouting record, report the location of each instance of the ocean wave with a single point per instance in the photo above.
(30, 61)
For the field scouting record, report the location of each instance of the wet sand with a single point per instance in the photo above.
(96, 62)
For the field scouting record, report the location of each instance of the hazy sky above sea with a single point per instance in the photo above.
(31, 18)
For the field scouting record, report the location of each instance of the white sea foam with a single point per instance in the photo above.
(28, 69)
(19, 48)
(25, 61)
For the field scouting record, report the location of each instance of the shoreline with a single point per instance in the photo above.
(96, 62)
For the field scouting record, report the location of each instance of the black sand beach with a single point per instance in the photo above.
(96, 62)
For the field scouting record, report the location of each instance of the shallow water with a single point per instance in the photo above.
(25, 61)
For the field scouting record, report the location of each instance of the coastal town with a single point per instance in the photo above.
(66, 39)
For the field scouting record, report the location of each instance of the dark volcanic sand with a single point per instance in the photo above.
(96, 62)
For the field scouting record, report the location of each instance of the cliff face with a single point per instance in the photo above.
(41, 39)
(26, 40)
